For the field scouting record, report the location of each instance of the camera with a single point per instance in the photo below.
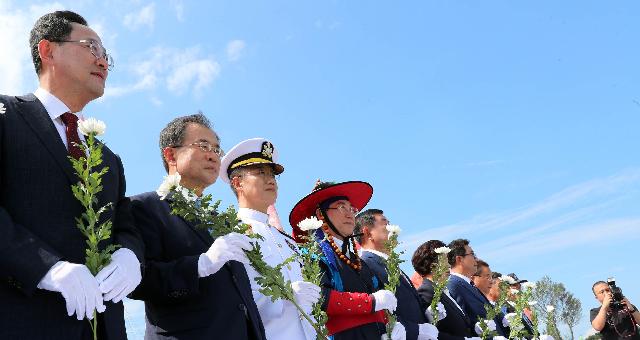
(616, 294)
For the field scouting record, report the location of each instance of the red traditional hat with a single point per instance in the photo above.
(359, 193)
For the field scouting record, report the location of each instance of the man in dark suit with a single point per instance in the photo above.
(371, 225)
(463, 263)
(42, 273)
(456, 325)
(194, 287)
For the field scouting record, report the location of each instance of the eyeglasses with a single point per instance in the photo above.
(471, 253)
(265, 173)
(96, 49)
(205, 147)
(346, 209)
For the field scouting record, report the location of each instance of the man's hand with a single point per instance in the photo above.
(442, 312)
(385, 300)
(121, 276)
(491, 325)
(606, 301)
(397, 333)
(224, 248)
(427, 331)
(78, 287)
(306, 294)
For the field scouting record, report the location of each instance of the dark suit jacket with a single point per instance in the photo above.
(473, 302)
(456, 326)
(411, 307)
(38, 227)
(179, 304)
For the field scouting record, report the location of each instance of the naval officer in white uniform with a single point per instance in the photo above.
(251, 169)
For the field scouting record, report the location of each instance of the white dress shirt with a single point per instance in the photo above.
(280, 318)
(56, 108)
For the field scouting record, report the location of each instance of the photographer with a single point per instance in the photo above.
(616, 318)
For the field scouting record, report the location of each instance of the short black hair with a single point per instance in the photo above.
(173, 134)
(496, 275)
(425, 257)
(457, 249)
(55, 26)
(480, 264)
(365, 218)
(593, 288)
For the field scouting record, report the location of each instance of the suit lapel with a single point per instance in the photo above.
(34, 113)
(202, 235)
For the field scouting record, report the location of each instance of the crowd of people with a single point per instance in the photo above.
(194, 285)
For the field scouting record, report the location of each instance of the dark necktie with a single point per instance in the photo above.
(73, 140)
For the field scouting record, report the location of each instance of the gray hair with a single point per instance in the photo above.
(173, 134)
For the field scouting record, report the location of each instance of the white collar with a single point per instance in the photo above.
(466, 279)
(246, 213)
(373, 251)
(54, 106)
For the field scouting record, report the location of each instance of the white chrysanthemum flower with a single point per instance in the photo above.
(2, 109)
(311, 223)
(442, 250)
(91, 125)
(532, 303)
(550, 308)
(514, 291)
(507, 279)
(170, 182)
(527, 285)
(393, 229)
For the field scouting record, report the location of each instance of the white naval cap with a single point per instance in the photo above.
(250, 152)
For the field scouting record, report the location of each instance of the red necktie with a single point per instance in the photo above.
(73, 140)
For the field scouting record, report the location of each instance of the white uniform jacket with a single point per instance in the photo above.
(280, 318)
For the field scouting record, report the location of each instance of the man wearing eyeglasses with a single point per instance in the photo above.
(46, 289)
(193, 287)
(251, 169)
(463, 263)
(412, 310)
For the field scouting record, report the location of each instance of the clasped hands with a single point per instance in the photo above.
(84, 293)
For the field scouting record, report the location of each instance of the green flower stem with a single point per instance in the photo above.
(393, 275)
(85, 191)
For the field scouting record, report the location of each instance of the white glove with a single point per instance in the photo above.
(385, 300)
(78, 287)
(427, 331)
(506, 321)
(121, 276)
(490, 324)
(224, 248)
(306, 294)
(398, 333)
(442, 312)
(545, 337)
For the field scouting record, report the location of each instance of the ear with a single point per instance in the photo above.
(169, 155)
(236, 183)
(319, 215)
(366, 231)
(45, 51)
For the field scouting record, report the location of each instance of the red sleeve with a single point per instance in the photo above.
(341, 303)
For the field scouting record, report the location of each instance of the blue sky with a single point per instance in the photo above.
(512, 124)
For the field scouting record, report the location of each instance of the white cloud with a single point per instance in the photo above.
(178, 7)
(144, 17)
(235, 49)
(179, 71)
(17, 74)
(552, 220)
